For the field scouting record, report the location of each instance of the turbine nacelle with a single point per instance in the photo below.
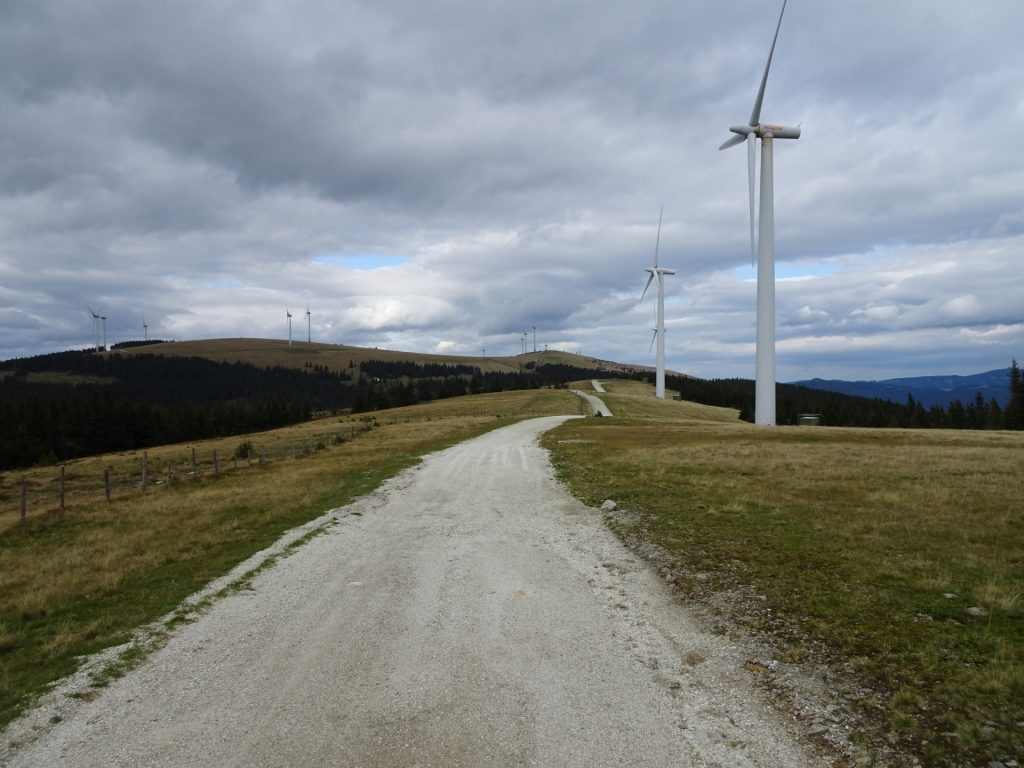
(761, 131)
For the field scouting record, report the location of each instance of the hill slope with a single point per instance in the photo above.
(342, 358)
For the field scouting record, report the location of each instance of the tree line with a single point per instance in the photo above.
(396, 384)
(89, 403)
(840, 410)
(81, 403)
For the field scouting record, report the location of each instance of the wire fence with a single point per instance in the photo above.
(67, 485)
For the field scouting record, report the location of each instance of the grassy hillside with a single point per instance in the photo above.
(895, 557)
(338, 357)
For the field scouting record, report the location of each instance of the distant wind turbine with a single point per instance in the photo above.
(95, 326)
(289, 325)
(103, 319)
(659, 332)
(764, 243)
(309, 327)
(145, 329)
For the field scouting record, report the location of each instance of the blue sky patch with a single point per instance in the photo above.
(360, 260)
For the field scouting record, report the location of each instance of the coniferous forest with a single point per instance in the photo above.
(69, 404)
(839, 410)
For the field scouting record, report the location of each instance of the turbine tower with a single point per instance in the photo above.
(95, 326)
(659, 332)
(145, 329)
(764, 243)
(103, 319)
(289, 314)
(309, 327)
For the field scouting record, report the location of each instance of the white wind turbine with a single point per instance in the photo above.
(659, 332)
(95, 326)
(309, 327)
(103, 319)
(764, 243)
(289, 314)
(145, 329)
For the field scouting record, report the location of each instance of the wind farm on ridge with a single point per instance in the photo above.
(868, 569)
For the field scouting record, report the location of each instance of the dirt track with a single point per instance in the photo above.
(470, 613)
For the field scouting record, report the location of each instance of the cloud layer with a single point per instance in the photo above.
(205, 164)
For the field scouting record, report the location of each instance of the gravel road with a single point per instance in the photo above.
(470, 613)
(597, 405)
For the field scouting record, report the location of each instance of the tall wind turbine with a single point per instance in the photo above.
(659, 332)
(764, 243)
(309, 327)
(287, 312)
(103, 319)
(145, 329)
(95, 326)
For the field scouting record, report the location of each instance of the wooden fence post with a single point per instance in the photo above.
(24, 498)
(195, 472)
(62, 489)
(106, 483)
(145, 471)
(216, 466)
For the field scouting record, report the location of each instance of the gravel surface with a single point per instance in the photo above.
(469, 613)
(597, 405)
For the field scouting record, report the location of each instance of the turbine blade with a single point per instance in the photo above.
(657, 241)
(653, 339)
(755, 116)
(731, 142)
(751, 141)
(649, 279)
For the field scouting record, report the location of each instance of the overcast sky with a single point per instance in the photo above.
(443, 176)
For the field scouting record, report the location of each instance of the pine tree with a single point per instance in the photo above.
(1013, 416)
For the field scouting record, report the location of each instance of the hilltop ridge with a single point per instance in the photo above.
(342, 357)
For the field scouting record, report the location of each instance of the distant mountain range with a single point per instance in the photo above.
(927, 390)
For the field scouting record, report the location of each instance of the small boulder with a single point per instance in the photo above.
(977, 611)
(609, 506)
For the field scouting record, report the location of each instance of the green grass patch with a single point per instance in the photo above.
(856, 537)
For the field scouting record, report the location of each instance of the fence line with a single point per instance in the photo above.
(125, 481)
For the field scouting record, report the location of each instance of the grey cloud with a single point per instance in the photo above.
(193, 158)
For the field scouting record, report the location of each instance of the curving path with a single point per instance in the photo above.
(470, 613)
(597, 406)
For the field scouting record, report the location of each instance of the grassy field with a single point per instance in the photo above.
(895, 556)
(75, 583)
